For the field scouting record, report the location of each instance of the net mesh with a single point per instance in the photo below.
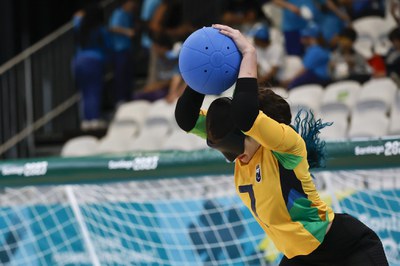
(174, 221)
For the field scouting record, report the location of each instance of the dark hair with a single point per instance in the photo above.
(92, 19)
(349, 33)
(218, 120)
(394, 34)
(274, 106)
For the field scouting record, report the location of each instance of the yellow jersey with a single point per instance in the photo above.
(277, 187)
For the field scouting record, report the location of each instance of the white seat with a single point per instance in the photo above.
(291, 66)
(151, 137)
(340, 97)
(305, 97)
(128, 119)
(114, 145)
(394, 128)
(160, 110)
(338, 130)
(374, 30)
(377, 94)
(368, 123)
(132, 111)
(80, 146)
(123, 129)
(180, 140)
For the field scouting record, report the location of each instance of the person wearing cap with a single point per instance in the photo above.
(272, 162)
(315, 60)
(347, 63)
(270, 56)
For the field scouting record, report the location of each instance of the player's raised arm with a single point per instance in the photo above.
(245, 107)
(188, 108)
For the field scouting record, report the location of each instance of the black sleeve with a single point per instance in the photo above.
(245, 106)
(188, 108)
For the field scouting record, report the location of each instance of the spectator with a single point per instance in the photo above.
(121, 24)
(345, 62)
(242, 14)
(89, 63)
(270, 56)
(332, 20)
(148, 9)
(167, 27)
(176, 88)
(393, 57)
(362, 8)
(315, 60)
(296, 14)
(167, 65)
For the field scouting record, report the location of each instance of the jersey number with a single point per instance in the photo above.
(249, 189)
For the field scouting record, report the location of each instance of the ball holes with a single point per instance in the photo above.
(206, 47)
(226, 71)
(205, 70)
(227, 47)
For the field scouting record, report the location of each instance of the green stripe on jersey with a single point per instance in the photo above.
(302, 212)
(288, 161)
(200, 127)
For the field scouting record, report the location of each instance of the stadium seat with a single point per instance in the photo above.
(368, 123)
(151, 137)
(134, 110)
(290, 68)
(338, 130)
(128, 120)
(180, 140)
(80, 146)
(340, 97)
(374, 31)
(305, 97)
(160, 111)
(113, 144)
(377, 94)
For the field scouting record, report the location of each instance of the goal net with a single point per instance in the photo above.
(191, 220)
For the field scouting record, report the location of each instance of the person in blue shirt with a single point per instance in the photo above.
(295, 16)
(121, 25)
(332, 19)
(315, 60)
(93, 47)
(148, 9)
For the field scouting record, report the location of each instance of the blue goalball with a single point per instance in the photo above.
(209, 61)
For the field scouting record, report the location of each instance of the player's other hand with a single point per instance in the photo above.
(241, 41)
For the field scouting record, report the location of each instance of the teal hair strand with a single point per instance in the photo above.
(309, 129)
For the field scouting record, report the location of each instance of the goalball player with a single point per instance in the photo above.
(272, 164)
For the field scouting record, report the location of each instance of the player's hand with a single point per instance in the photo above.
(241, 41)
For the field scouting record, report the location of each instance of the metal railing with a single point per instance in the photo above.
(38, 98)
(32, 84)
